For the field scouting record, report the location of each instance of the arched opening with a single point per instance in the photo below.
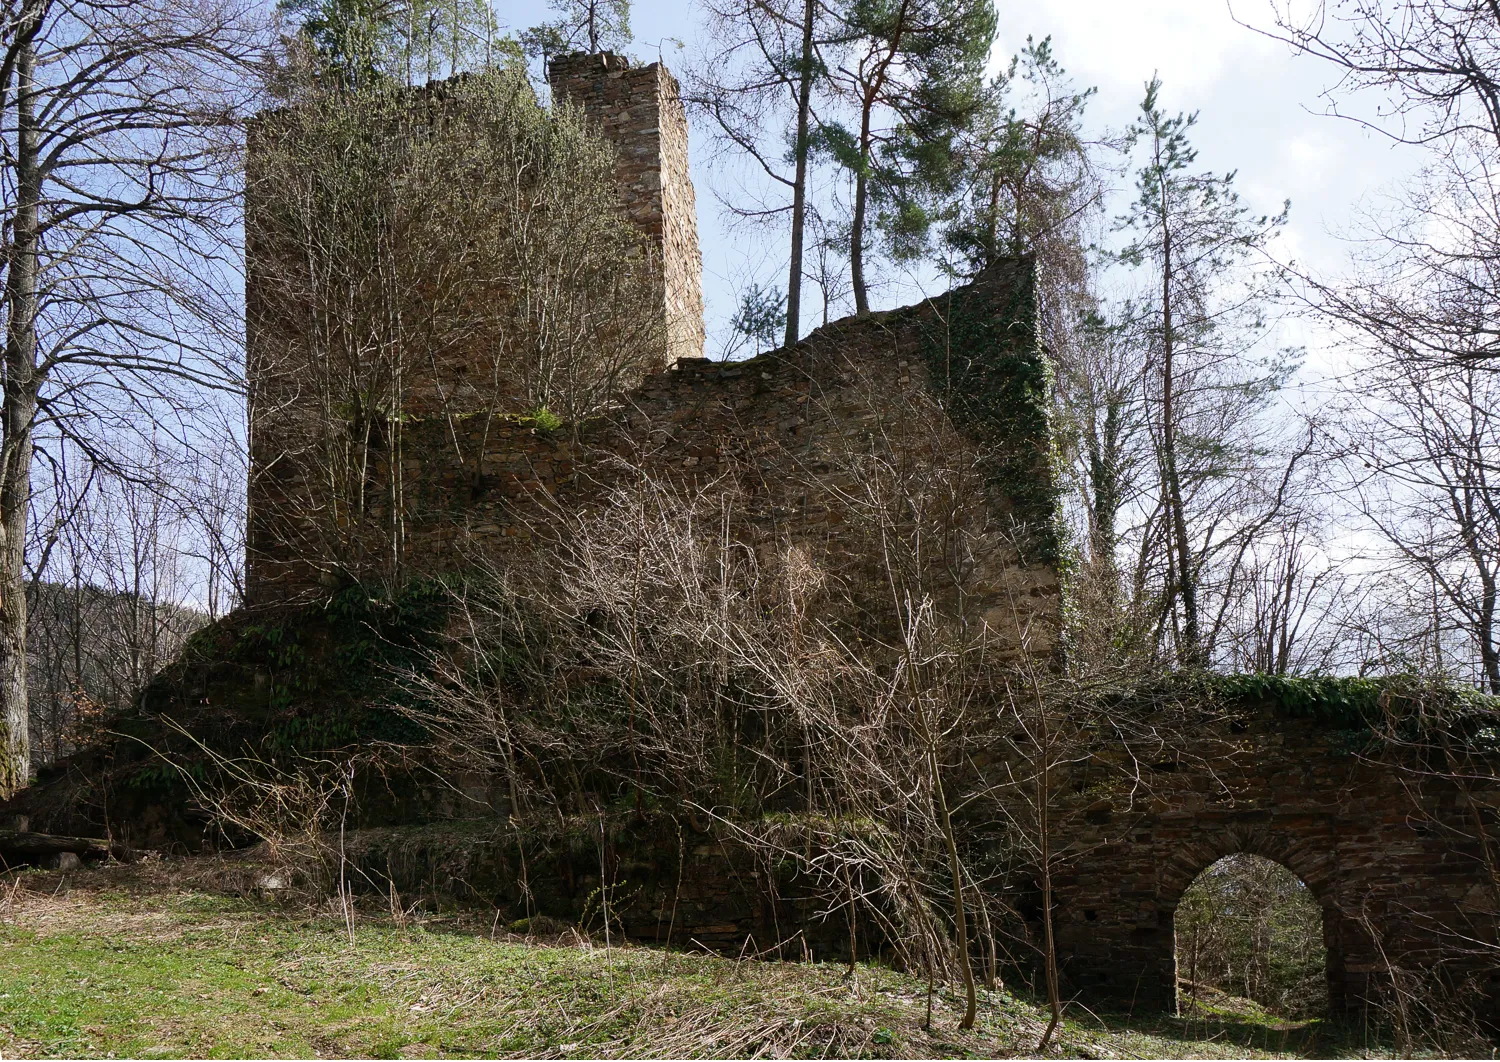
(1248, 929)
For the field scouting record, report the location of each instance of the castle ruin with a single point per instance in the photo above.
(1398, 869)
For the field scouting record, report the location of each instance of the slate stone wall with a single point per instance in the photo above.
(640, 111)
(957, 383)
(667, 882)
(1393, 852)
(786, 432)
(293, 528)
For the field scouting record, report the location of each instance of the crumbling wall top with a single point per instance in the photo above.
(640, 111)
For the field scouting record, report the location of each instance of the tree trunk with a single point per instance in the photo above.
(955, 868)
(19, 409)
(799, 184)
(857, 226)
(1489, 657)
(870, 98)
(1104, 471)
(1044, 853)
(1190, 650)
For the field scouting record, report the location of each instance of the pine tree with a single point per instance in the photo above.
(361, 42)
(592, 25)
(757, 85)
(1025, 179)
(912, 74)
(1196, 236)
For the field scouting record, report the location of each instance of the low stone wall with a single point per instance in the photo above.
(665, 881)
(1396, 854)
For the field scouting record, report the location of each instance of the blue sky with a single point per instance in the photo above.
(1261, 114)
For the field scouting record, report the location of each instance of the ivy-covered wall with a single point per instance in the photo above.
(944, 387)
(983, 355)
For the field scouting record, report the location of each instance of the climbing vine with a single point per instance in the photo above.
(1404, 706)
(985, 361)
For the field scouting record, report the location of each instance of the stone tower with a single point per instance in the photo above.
(420, 485)
(639, 109)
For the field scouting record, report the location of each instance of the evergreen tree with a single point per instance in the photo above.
(912, 74)
(757, 84)
(350, 37)
(760, 319)
(360, 42)
(1200, 242)
(592, 25)
(1025, 178)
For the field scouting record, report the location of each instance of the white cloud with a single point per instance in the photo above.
(1118, 44)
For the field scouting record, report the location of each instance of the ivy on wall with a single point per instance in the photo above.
(1404, 706)
(985, 360)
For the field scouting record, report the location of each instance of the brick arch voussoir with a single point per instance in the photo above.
(1310, 857)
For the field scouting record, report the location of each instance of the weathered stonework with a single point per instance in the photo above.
(956, 382)
(639, 110)
(304, 537)
(785, 431)
(670, 883)
(1393, 852)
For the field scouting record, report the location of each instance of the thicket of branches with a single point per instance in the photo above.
(455, 256)
(847, 703)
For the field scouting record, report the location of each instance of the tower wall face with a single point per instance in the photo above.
(296, 544)
(640, 111)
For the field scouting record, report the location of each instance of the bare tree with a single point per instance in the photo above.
(1425, 73)
(111, 597)
(119, 122)
(1193, 234)
(1421, 454)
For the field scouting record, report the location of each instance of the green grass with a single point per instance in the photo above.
(144, 964)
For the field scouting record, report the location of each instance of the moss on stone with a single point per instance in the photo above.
(986, 363)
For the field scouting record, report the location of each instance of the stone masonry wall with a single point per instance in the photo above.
(640, 111)
(301, 537)
(787, 433)
(1389, 849)
(668, 883)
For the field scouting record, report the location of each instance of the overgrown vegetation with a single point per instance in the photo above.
(161, 962)
(455, 257)
(985, 362)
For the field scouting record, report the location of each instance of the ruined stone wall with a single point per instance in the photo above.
(793, 434)
(1392, 851)
(640, 111)
(670, 883)
(318, 509)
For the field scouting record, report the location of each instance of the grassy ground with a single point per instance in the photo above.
(164, 961)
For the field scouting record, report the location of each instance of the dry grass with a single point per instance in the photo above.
(184, 959)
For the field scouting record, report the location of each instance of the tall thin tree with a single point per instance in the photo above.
(758, 84)
(911, 75)
(1192, 230)
(119, 122)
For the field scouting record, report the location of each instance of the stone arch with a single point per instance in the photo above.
(1312, 856)
(1287, 853)
(1392, 863)
(1307, 846)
